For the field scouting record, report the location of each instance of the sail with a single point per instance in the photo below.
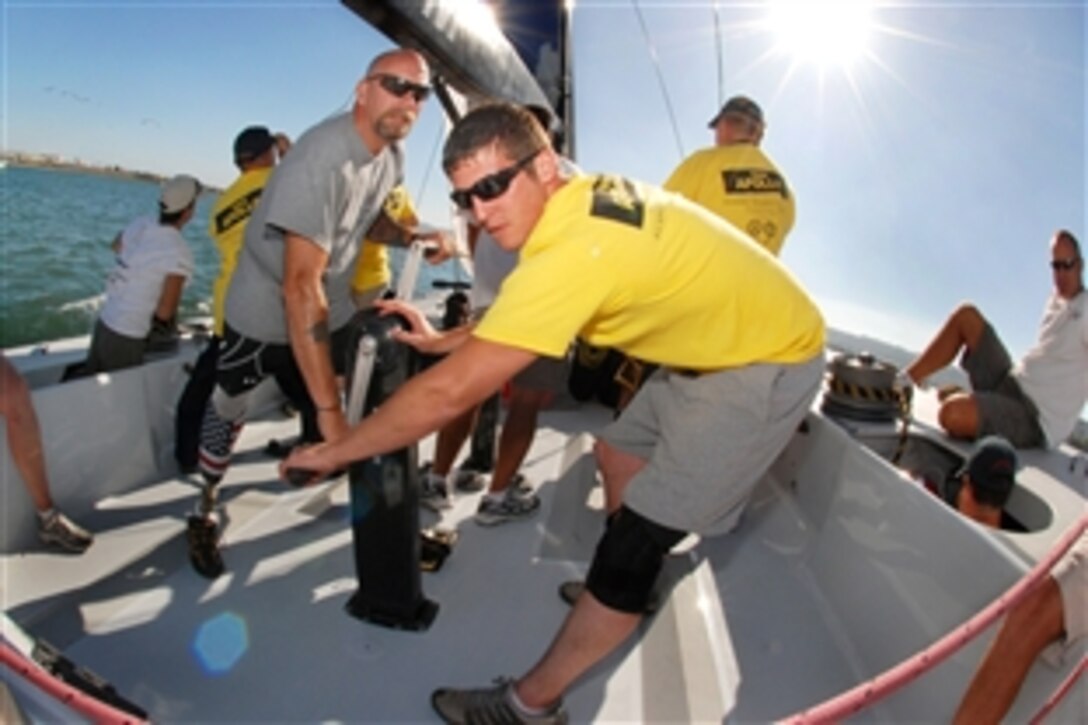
(464, 45)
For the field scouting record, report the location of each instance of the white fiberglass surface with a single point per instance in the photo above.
(840, 569)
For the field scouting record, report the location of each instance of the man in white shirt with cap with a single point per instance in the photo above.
(144, 289)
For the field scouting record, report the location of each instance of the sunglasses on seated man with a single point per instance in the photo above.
(400, 87)
(1066, 264)
(491, 186)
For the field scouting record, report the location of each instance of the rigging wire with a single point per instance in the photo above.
(459, 272)
(660, 78)
(430, 163)
(718, 50)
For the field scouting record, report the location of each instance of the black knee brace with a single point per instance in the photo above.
(628, 559)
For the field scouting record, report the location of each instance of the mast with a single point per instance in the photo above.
(565, 105)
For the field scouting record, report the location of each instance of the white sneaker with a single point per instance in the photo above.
(512, 506)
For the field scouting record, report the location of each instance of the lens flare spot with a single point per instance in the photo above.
(221, 642)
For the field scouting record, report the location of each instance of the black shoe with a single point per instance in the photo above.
(435, 546)
(203, 536)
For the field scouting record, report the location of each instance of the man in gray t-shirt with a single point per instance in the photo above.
(289, 301)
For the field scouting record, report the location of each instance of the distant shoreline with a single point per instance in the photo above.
(55, 163)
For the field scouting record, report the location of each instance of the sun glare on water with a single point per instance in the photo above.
(827, 33)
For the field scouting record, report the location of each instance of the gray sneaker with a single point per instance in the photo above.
(58, 530)
(491, 705)
(514, 505)
(433, 493)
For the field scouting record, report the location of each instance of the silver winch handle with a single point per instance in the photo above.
(360, 378)
(406, 285)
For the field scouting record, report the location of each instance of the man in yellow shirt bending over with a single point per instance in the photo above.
(621, 264)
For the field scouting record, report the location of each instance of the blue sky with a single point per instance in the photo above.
(931, 170)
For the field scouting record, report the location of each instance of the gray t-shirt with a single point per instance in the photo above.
(329, 188)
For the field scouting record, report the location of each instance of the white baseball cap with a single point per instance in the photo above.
(178, 193)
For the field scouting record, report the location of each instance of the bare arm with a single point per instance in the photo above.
(386, 230)
(307, 312)
(425, 403)
(170, 297)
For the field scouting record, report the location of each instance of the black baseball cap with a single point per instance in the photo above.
(739, 106)
(251, 143)
(992, 466)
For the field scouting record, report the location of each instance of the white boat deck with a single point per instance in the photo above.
(838, 571)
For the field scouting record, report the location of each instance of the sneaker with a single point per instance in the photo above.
(521, 484)
(570, 591)
(490, 705)
(433, 493)
(466, 480)
(435, 546)
(58, 530)
(512, 506)
(203, 536)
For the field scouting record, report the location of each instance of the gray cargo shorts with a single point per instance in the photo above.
(1003, 407)
(709, 438)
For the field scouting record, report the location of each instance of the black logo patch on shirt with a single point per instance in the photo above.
(238, 212)
(616, 198)
(755, 181)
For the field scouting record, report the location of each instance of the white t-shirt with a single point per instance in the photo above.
(149, 253)
(1054, 373)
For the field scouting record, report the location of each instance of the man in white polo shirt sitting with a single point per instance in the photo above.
(144, 289)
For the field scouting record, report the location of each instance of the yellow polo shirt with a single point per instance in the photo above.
(627, 265)
(740, 184)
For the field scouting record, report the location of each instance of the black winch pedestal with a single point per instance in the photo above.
(384, 489)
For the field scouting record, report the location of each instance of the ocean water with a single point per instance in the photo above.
(55, 234)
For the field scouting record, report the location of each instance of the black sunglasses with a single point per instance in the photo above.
(492, 186)
(1066, 264)
(401, 87)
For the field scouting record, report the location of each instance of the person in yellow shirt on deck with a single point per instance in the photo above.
(372, 273)
(736, 180)
(627, 265)
(256, 151)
